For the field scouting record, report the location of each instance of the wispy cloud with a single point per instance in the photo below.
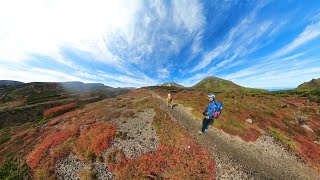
(310, 33)
(239, 38)
(140, 43)
(188, 14)
(29, 74)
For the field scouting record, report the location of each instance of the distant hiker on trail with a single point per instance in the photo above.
(208, 114)
(169, 101)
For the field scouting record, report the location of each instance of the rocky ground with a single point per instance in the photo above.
(135, 136)
(237, 159)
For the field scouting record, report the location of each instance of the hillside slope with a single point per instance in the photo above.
(311, 85)
(27, 102)
(172, 84)
(216, 84)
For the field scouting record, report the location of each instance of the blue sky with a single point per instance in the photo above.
(260, 44)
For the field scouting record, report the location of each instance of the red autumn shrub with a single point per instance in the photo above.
(97, 137)
(309, 150)
(193, 163)
(56, 111)
(53, 140)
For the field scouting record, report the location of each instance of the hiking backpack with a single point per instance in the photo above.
(219, 107)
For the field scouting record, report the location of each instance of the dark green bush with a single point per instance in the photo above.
(11, 170)
(5, 135)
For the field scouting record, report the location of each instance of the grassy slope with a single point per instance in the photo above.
(311, 85)
(215, 84)
(33, 92)
(32, 142)
(272, 114)
(26, 102)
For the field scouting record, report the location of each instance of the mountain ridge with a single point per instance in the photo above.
(172, 84)
(216, 84)
(310, 85)
(10, 83)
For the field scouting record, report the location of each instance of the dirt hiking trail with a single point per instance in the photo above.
(237, 159)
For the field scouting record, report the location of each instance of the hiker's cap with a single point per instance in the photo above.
(211, 96)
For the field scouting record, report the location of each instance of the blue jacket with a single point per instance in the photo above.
(211, 109)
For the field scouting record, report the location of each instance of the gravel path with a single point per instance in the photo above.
(69, 168)
(237, 159)
(136, 136)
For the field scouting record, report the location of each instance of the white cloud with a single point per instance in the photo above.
(29, 74)
(292, 57)
(130, 41)
(44, 27)
(188, 14)
(210, 56)
(238, 40)
(310, 33)
(116, 33)
(240, 74)
(163, 73)
(290, 78)
(123, 80)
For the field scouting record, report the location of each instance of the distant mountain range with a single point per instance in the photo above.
(14, 90)
(10, 83)
(211, 83)
(76, 86)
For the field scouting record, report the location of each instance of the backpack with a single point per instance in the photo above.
(219, 107)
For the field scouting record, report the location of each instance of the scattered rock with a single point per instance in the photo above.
(101, 171)
(307, 127)
(249, 120)
(68, 168)
(136, 136)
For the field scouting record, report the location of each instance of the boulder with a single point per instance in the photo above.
(249, 120)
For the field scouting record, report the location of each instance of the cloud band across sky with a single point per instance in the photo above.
(138, 43)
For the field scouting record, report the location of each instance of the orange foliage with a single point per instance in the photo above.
(97, 137)
(56, 111)
(53, 140)
(168, 163)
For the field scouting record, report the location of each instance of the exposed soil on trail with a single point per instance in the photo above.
(238, 159)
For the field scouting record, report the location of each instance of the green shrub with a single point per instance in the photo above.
(5, 135)
(11, 170)
(283, 139)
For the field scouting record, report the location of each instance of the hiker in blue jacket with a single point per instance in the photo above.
(208, 113)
